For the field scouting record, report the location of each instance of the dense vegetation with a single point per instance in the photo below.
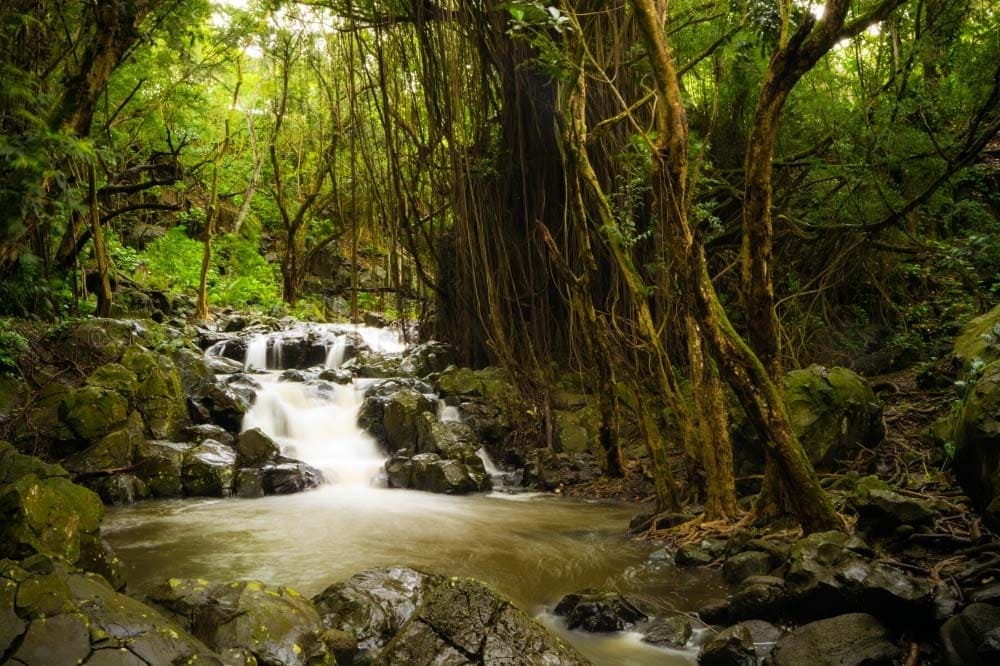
(674, 200)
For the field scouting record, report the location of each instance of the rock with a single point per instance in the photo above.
(427, 471)
(220, 365)
(374, 604)
(119, 489)
(449, 439)
(97, 556)
(743, 565)
(692, 556)
(160, 466)
(93, 342)
(730, 647)
(160, 396)
(845, 640)
(881, 510)
(972, 638)
(254, 447)
(287, 476)
(488, 383)
(978, 340)
(374, 365)
(208, 470)
(117, 378)
(427, 358)
(464, 622)
(249, 482)
(672, 631)
(765, 636)
(977, 443)
(197, 434)
(342, 645)
(576, 430)
(227, 402)
(762, 597)
(293, 376)
(277, 625)
(44, 514)
(597, 610)
(195, 370)
(337, 376)
(114, 450)
(390, 412)
(91, 412)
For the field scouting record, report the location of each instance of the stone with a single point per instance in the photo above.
(97, 556)
(972, 638)
(64, 639)
(465, 622)
(692, 556)
(293, 376)
(277, 625)
(427, 358)
(881, 510)
(197, 434)
(391, 414)
(160, 396)
(286, 476)
(373, 605)
(208, 470)
(489, 383)
(672, 631)
(978, 340)
(337, 376)
(762, 597)
(598, 611)
(977, 443)
(119, 489)
(249, 482)
(14, 465)
(846, 640)
(449, 439)
(740, 566)
(374, 365)
(115, 377)
(255, 447)
(428, 472)
(91, 412)
(730, 647)
(765, 636)
(160, 466)
(226, 402)
(113, 451)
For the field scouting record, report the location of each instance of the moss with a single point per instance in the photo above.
(160, 395)
(978, 340)
(92, 412)
(115, 377)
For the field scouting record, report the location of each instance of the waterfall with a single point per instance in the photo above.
(256, 358)
(335, 357)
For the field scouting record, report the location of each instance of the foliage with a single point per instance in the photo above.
(12, 345)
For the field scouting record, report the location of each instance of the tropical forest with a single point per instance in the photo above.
(500, 332)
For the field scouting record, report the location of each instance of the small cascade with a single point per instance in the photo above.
(218, 349)
(448, 412)
(335, 357)
(496, 474)
(256, 358)
(275, 354)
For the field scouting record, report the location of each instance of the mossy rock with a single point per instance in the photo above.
(47, 515)
(401, 413)
(489, 383)
(14, 465)
(160, 394)
(160, 466)
(114, 450)
(977, 445)
(115, 377)
(91, 412)
(978, 340)
(209, 470)
(576, 430)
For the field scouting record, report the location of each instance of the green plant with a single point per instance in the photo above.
(12, 345)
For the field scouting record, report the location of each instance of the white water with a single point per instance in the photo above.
(256, 354)
(335, 357)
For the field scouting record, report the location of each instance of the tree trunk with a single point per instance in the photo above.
(104, 294)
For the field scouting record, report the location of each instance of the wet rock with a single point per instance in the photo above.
(765, 636)
(427, 358)
(225, 403)
(692, 556)
(277, 625)
(195, 370)
(598, 610)
(764, 597)
(449, 439)
(220, 365)
(209, 469)
(977, 441)
(342, 645)
(390, 412)
(113, 451)
(197, 434)
(429, 472)
(91, 412)
(293, 376)
(119, 489)
(972, 638)
(337, 376)
(373, 365)
(464, 622)
(117, 378)
(882, 510)
(974, 342)
(492, 426)
(845, 640)
(672, 631)
(160, 396)
(373, 605)
(62, 616)
(730, 647)
(488, 383)
(741, 566)
(255, 447)
(97, 556)
(287, 476)
(160, 466)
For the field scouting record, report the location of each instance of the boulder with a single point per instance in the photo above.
(979, 339)
(195, 369)
(42, 510)
(373, 605)
(977, 445)
(249, 482)
(114, 450)
(489, 383)
(465, 622)
(91, 412)
(390, 412)
(337, 376)
(730, 647)
(226, 402)
(765, 636)
(286, 476)
(449, 439)
(93, 342)
(208, 470)
(65, 617)
(881, 510)
(598, 610)
(160, 395)
(197, 434)
(160, 466)
(293, 376)
(672, 631)
(972, 638)
(576, 430)
(427, 358)
(119, 489)
(692, 556)
(741, 566)
(429, 472)
(255, 447)
(764, 597)
(115, 377)
(845, 640)
(276, 625)
(374, 365)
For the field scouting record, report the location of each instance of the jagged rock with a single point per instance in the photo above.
(209, 469)
(692, 556)
(427, 358)
(464, 622)
(450, 439)
(429, 472)
(293, 375)
(91, 412)
(43, 511)
(390, 412)
(882, 510)
(113, 451)
(115, 377)
(762, 597)
(249, 482)
(598, 610)
(977, 445)
(119, 489)
(972, 638)
(197, 434)
(373, 605)
(765, 636)
(160, 396)
(287, 476)
(277, 625)
(254, 447)
(845, 640)
(226, 402)
(488, 383)
(730, 647)
(160, 466)
(672, 631)
(741, 566)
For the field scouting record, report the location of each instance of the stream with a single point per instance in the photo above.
(532, 547)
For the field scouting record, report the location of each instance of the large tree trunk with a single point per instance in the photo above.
(104, 294)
